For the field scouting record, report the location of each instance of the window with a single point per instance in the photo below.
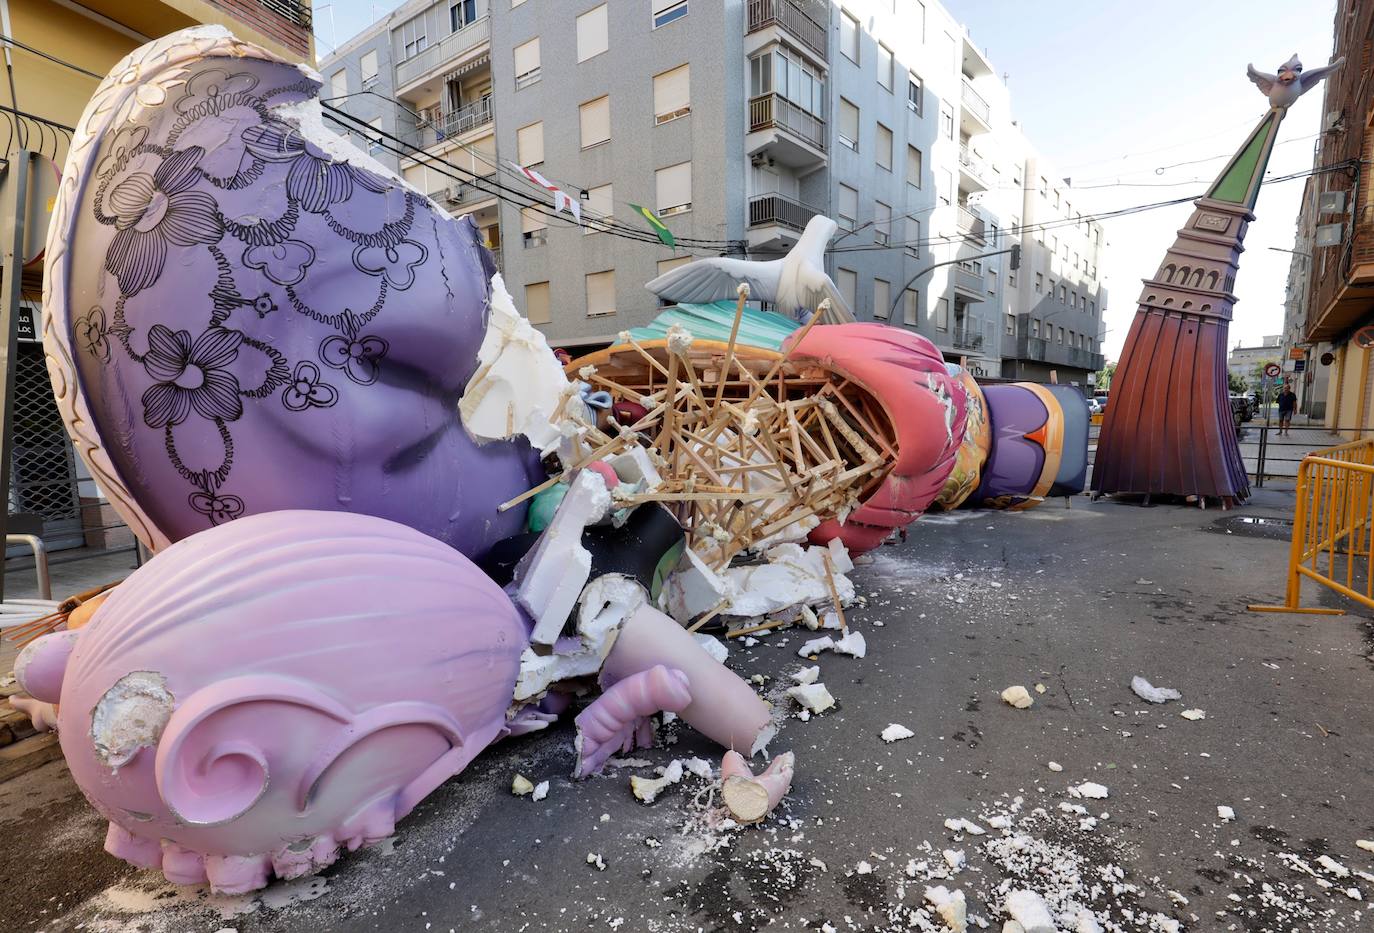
(992, 234)
(1063, 292)
(368, 65)
(848, 281)
(529, 144)
(461, 13)
(672, 94)
(913, 166)
(790, 76)
(1044, 187)
(944, 193)
(413, 38)
(849, 125)
(913, 237)
(942, 314)
(1061, 336)
(665, 11)
(848, 208)
(537, 302)
(598, 209)
(534, 227)
(1073, 299)
(882, 298)
(1056, 199)
(911, 307)
(338, 83)
(595, 116)
(1073, 340)
(1035, 327)
(527, 63)
(592, 36)
(1011, 325)
(674, 187)
(667, 265)
(884, 145)
(885, 66)
(1011, 278)
(1054, 246)
(915, 93)
(1092, 308)
(600, 293)
(1039, 283)
(882, 223)
(947, 121)
(849, 37)
(374, 140)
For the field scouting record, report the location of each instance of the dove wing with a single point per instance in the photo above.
(816, 285)
(1311, 76)
(1264, 82)
(714, 279)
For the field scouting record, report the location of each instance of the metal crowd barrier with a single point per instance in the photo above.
(1333, 527)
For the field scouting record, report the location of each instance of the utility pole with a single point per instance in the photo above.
(1014, 251)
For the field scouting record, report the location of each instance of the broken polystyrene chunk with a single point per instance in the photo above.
(816, 646)
(814, 697)
(636, 467)
(693, 588)
(852, 644)
(1333, 866)
(961, 825)
(1028, 909)
(950, 905)
(895, 732)
(594, 858)
(1055, 766)
(1018, 697)
(1225, 814)
(541, 790)
(1194, 714)
(698, 766)
(954, 858)
(1366, 844)
(792, 575)
(712, 646)
(1089, 789)
(1087, 922)
(520, 786)
(130, 716)
(648, 789)
(1152, 694)
(807, 675)
(605, 604)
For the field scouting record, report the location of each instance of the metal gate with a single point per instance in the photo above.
(43, 477)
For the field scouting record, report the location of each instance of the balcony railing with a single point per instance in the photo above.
(967, 338)
(802, 20)
(774, 110)
(295, 11)
(971, 223)
(779, 209)
(462, 194)
(448, 125)
(446, 49)
(1041, 350)
(972, 164)
(973, 102)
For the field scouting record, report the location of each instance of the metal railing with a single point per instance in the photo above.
(774, 110)
(462, 193)
(294, 11)
(972, 164)
(802, 20)
(975, 104)
(971, 223)
(1042, 350)
(967, 338)
(449, 47)
(1333, 525)
(779, 209)
(451, 124)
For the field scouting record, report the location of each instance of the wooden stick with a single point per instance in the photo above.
(734, 332)
(708, 616)
(834, 593)
(764, 627)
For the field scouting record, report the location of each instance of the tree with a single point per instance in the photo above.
(1237, 384)
(1104, 377)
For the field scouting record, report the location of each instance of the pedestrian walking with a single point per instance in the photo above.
(1288, 403)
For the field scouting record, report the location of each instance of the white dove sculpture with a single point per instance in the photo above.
(795, 284)
(1284, 88)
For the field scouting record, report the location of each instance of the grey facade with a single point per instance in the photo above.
(889, 120)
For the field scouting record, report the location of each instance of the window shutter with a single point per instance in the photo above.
(600, 206)
(665, 265)
(882, 298)
(674, 185)
(849, 287)
(885, 66)
(526, 57)
(338, 83)
(672, 91)
(531, 220)
(913, 166)
(884, 155)
(849, 121)
(601, 293)
(596, 121)
(592, 38)
(849, 203)
(529, 144)
(911, 307)
(368, 64)
(537, 302)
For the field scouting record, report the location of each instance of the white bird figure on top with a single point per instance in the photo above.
(795, 284)
(1284, 88)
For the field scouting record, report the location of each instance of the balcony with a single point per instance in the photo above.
(462, 196)
(973, 168)
(1040, 350)
(967, 337)
(802, 20)
(976, 116)
(971, 224)
(442, 52)
(451, 125)
(775, 221)
(969, 284)
(791, 135)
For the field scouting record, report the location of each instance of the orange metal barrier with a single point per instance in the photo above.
(1332, 527)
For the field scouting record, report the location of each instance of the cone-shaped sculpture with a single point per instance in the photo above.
(1169, 427)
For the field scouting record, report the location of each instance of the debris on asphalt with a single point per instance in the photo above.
(1194, 714)
(1018, 697)
(1366, 844)
(1152, 694)
(814, 698)
(950, 905)
(520, 786)
(595, 859)
(895, 732)
(1029, 911)
(1226, 814)
(851, 644)
(807, 675)
(541, 790)
(749, 797)
(1055, 766)
(1089, 789)
(961, 825)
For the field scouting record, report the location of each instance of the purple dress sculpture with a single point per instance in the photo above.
(245, 313)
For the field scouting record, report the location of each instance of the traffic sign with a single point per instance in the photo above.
(1272, 370)
(1299, 366)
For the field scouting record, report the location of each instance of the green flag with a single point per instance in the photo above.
(663, 232)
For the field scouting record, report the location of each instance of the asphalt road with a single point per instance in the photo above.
(1085, 598)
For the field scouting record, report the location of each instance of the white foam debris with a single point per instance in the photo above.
(816, 646)
(1226, 814)
(130, 716)
(807, 675)
(1333, 866)
(1194, 714)
(1055, 766)
(1089, 789)
(852, 644)
(603, 606)
(700, 767)
(961, 825)
(712, 646)
(647, 789)
(594, 858)
(863, 868)
(1152, 694)
(814, 698)
(895, 732)
(693, 588)
(792, 575)
(954, 858)
(1028, 909)
(1018, 697)
(1086, 922)
(1366, 844)
(520, 786)
(541, 790)
(950, 905)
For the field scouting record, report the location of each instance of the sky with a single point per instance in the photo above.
(1136, 102)
(1119, 94)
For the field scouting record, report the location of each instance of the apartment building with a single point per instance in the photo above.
(736, 122)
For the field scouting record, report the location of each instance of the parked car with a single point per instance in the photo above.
(1242, 408)
(1096, 405)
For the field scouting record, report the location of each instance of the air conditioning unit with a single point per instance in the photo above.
(453, 194)
(1330, 234)
(1335, 121)
(1331, 202)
